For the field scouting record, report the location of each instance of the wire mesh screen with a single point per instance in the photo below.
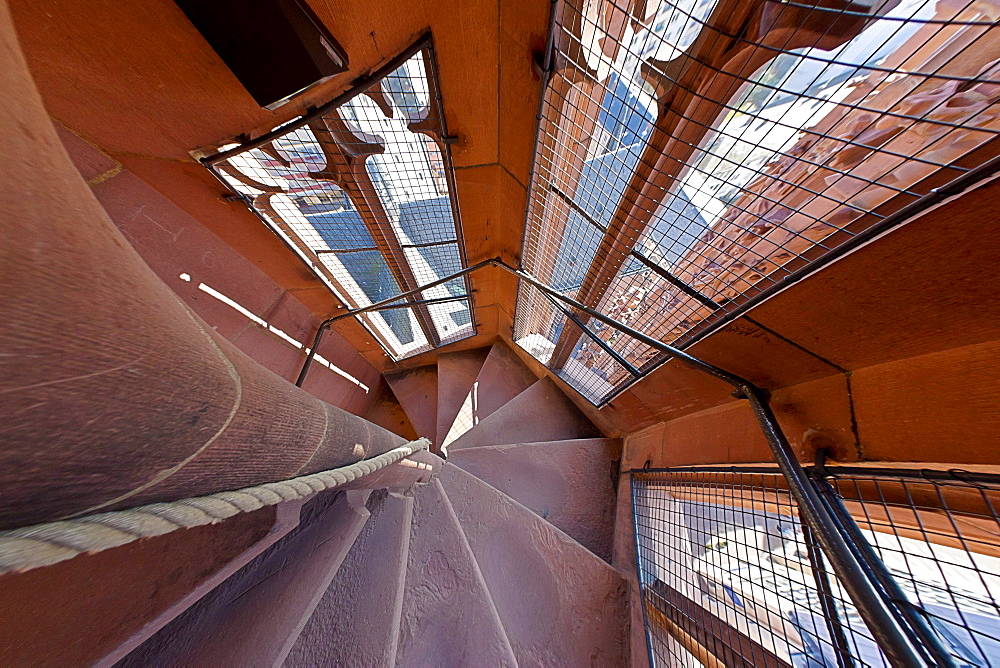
(691, 155)
(363, 192)
(731, 576)
(939, 535)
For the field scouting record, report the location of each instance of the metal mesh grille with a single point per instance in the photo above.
(692, 155)
(730, 576)
(939, 535)
(364, 193)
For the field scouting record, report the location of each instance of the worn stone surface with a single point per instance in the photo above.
(139, 400)
(180, 639)
(560, 604)
(448, 616)
(567, 483)
(357, 620)
(76, 611)
(416, 390)
(502, 377)
(540, 413)
(505, 376)
(388, 414)
(457, 374)
(260, 625)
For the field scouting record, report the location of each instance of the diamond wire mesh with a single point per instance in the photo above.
(762, 167)
(363, 193)
(730, 576)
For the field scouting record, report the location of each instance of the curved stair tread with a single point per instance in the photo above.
(448, 616)
(256, 616)
(560, 604)
(417, 392)
(457, 373)
(567, 483)
(357, 621)
(502, 377)
(540, 413)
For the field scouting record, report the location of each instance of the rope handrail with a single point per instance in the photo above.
(45, 544)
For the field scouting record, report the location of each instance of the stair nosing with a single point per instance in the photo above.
(496, 412)
(569, 542)
(517, 504)
(494, 346)
(404, 559)
(507, 446)
(475, 567)
(401, 373)
(451, 422)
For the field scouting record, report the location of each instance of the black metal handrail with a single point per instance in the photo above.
(902, 504)
(907, 640)
(904, 644)
(380, 305)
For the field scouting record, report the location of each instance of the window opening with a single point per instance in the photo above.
(363, 190)
(685, 165)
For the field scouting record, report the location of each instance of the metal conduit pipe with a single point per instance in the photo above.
(113, 393)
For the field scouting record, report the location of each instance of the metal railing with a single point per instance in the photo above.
(731, 573)
(694, 158)
(854, 571)
(396, 301)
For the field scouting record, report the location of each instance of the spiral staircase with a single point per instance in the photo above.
(501, 559)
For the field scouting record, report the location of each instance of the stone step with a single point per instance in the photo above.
(567, 483)
(448, 617)
(387, 413)
(457, 373)
(255, 617)
(417, 392)
(560, 604)
(540, 413)
(502, 377)
(357, 621)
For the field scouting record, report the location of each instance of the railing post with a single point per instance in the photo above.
(885, 621)
(902, 634)
(638, 571)
(312, 352)
(827, 601)
(877, 570)
(880, 615)
(323, 326)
